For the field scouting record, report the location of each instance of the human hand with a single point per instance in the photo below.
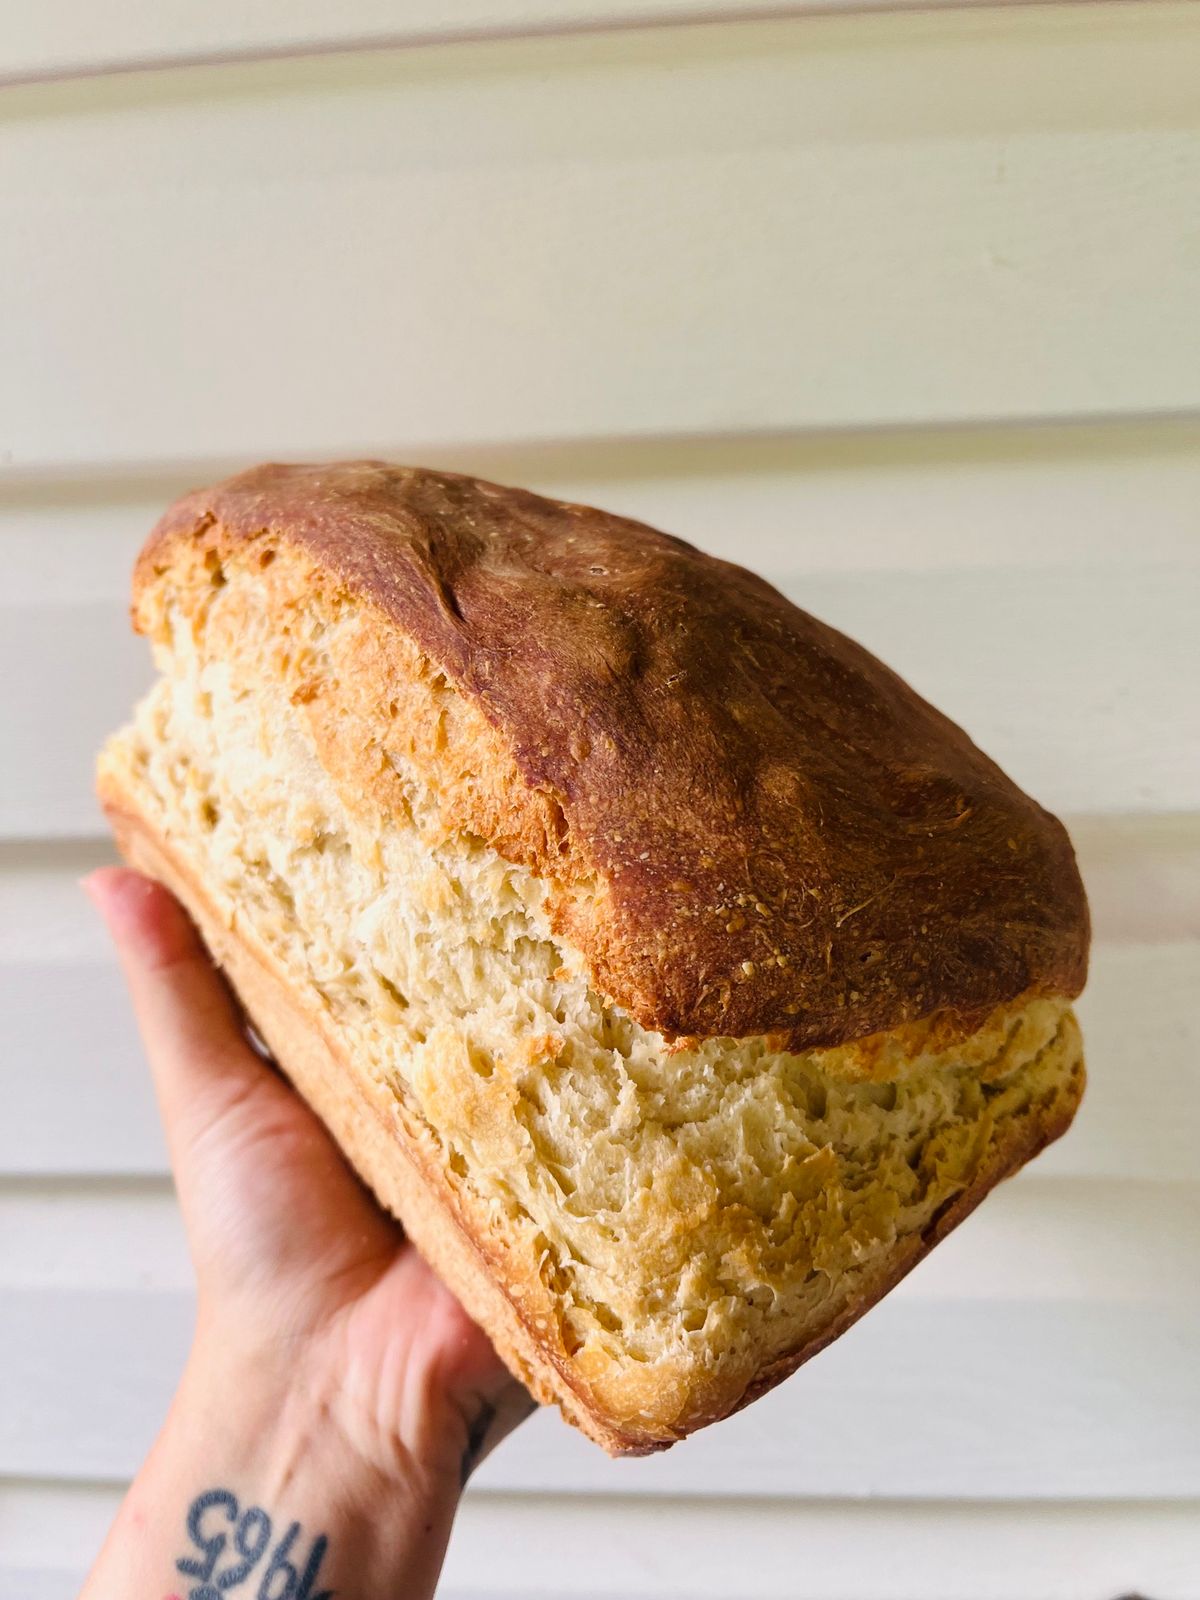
(345, 1372)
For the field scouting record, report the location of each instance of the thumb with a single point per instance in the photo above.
(191, 1029)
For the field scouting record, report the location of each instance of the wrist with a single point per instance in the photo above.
(257, 1490)
(287, 1441)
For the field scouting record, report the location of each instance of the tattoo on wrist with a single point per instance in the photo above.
(240, 1549)
(477, 1440)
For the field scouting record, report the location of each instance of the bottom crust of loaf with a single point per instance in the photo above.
(365, 1121)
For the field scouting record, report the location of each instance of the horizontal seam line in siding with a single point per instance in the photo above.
(699, 15)
(1055, 432)
(704, 1502)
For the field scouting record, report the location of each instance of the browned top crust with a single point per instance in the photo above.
(793, 842)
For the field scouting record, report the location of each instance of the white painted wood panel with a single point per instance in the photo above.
(81, 1097)
(72, 674)
(24, 1583)
(122, 1233)
(699, 1551)
(508, 1546)
(1080, 683)
(42, 909)
(465, 243)
(1142, 876)
(1141, 1022)
(958, 1399)
(80, 1100)
(927, 500)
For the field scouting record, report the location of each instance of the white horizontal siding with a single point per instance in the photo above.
(508, 1546)
(933, 1400)
(926, 500)
(1001, 1368)
(82, 1101)
(116, 1233)
(466, 243)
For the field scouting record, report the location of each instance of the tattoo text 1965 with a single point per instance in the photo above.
(234, 1543)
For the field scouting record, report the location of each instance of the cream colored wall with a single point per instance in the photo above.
(898, 308)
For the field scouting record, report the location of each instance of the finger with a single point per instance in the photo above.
(191, 1029)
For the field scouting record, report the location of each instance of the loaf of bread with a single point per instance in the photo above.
(673, 972)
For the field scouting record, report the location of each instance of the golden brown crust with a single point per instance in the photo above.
(372, 1131)
(755, 826)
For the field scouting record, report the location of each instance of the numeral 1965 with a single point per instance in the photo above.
(216, 1523)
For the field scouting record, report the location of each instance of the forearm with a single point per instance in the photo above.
(253, 1490)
